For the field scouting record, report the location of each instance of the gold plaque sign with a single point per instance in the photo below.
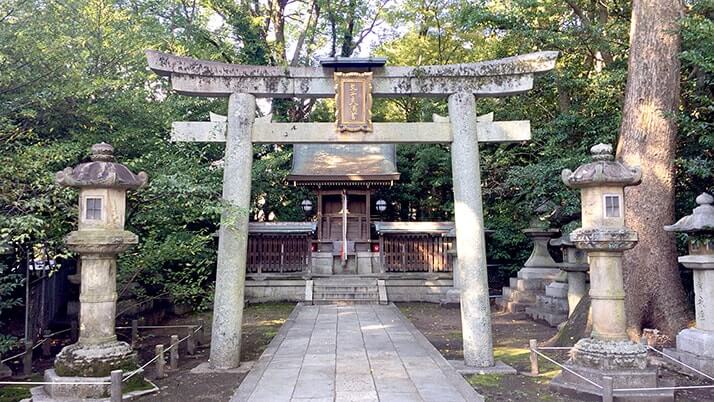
(353, 102)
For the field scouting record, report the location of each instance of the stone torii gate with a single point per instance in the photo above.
(461, 83)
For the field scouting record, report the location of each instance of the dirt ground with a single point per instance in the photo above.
(442, 326)
(261, 323)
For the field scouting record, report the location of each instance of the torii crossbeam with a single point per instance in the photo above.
(461, 83)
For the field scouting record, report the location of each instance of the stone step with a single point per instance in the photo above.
(552, 318)
(342, 292)
(554, 304)
(519, 296)
(345, 281)
(345, 296)
(511, 306)
(345, 301)
(345, 288)
(531, 285)
(557, 289)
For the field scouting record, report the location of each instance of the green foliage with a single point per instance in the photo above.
(14, 393)
(9, 283)
(74, 73)
(571, 109)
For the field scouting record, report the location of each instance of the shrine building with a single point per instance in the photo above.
(345, 248)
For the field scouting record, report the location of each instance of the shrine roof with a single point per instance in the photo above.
(336, 164)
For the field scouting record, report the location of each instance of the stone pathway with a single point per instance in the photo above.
(352, 353)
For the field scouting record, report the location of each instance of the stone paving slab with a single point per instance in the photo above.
(337, 353)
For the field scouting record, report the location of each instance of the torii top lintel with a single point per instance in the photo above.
(508, 76)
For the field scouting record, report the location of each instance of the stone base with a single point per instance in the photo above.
(624, 361)
(703, 364)
(498, 368)
(547, 274)
(609, 355)
(552, 317)
(697, 342)
(82, 360)
(81, 393)
(574, 386)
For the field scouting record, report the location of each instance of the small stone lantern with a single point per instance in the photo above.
(102, 184)
(608, 350)
(695, 346)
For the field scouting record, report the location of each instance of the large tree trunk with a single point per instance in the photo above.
(654, 293)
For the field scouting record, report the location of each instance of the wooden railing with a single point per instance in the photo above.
(418, 252)
(278, 253)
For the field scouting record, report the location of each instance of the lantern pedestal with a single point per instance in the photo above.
(539, 271)
(97, 351)
(695, 346)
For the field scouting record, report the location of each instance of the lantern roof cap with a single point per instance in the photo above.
(604, 170)
(701, 219)
(102, 172)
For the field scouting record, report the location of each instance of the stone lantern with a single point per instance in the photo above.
(102, 184)
(608, 350)
(695, 346)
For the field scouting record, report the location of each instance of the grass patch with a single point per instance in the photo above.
(14, 393)
(510, 355)
(139, 385)
(484, 380)
(273, 307)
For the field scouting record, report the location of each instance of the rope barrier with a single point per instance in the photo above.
(13, 357)
(128, 376)
(567, 369)
(159, 326)
(176, 344)
(684, 387)
(680, 362)
(663, 388)
(46, 337)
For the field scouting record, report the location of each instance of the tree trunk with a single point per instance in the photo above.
(654, 292)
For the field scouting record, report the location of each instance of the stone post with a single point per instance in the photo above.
(233, 240)
(576, 266)
(473, 278)
(695, 346)
(607, 352)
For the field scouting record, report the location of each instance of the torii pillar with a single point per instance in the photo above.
(461, 83)
(233, 235)
(470, 234)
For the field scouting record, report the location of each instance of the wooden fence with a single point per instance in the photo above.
(418, 252)
(278, 253)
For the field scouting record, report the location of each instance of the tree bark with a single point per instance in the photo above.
(654, 292)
